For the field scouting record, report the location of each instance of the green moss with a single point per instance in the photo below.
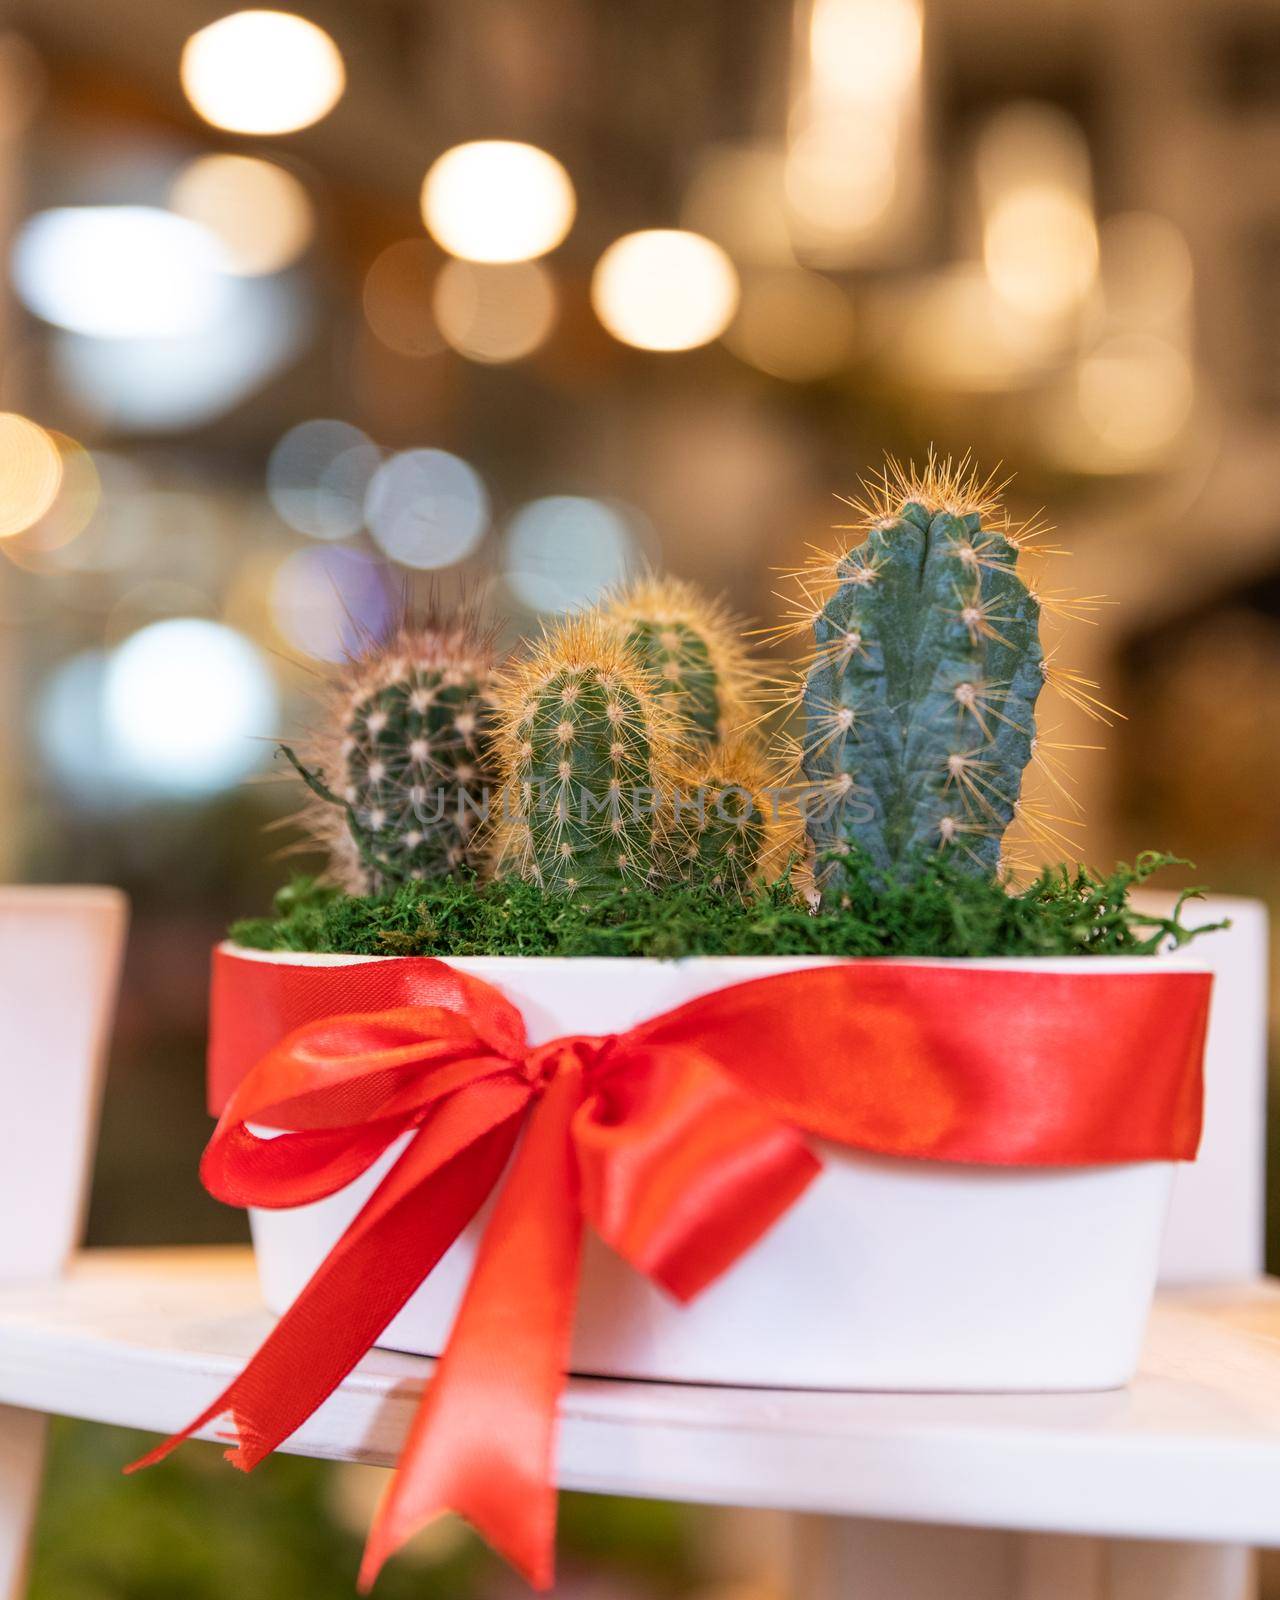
(943, 912)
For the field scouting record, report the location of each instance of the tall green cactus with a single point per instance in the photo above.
(403, 762)
(584, 747)
(920, 700)
(692, 648)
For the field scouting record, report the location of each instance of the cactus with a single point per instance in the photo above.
(402, 764)
(691, 647)
(586, 751)
(734, 826)
(919, 702)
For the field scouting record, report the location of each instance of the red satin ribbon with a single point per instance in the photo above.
(680, 1142)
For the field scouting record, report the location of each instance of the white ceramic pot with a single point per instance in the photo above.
(886, 1274)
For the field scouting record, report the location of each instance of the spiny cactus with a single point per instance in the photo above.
(919, 702)
(691, 646)
(735, 825)
(402, 763)
(586, 750)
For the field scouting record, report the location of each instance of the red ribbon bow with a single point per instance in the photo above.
(677, 1141)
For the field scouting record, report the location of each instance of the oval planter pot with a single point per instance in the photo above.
(886, 1274)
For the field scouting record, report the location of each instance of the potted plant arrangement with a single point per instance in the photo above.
(629, 1040)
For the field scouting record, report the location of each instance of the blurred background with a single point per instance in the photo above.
(304, 313)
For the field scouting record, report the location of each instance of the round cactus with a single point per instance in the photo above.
(402, 769)
(734, 825)
(691, 647)
(584, 746)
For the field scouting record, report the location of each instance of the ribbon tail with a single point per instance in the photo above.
(681, 1171)
(483, 1440)
(412, 1218)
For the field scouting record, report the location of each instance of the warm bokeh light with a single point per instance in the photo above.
(189, 706)
(865, 50)
(397, 298)
(854, 158)
(494, 313)
(955, 332)
(120, 272)
(792, 324)
(42, 546)
(318, 474)
(840, 178)
(261, 214)
(30, 473)
(1029, 142)
(496, 200)
(1039, 240)
(427, 508)
(664, 289)
(1135, 394)
(563, 551)
(1041, 249)
(262, 72)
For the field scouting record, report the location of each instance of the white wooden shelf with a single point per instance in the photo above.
(1190, 1452)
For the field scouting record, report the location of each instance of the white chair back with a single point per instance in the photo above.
(1218, 1212)
(60, 954)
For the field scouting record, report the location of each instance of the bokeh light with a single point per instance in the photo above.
(427, 508)
(262, 72)
(30, 473)
(120, 272)
(1041, 249)
(397, 298)
(854, 156)
(1039, 242)
(260, 212)
(164, 383)
(841, 176)
(956, 333)
(494, 313)
(664, 289)
(42, 546)
(318, 475)
(327, 603)
(563, 551)
(189, 706)
(1029, 142)
(1135, 394)
(71, 734)
(867, 51)
(792, 324)
(496, 200)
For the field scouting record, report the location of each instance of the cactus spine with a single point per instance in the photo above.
(691, 647)
(403, 763)
(919, 702)
(585, 749)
